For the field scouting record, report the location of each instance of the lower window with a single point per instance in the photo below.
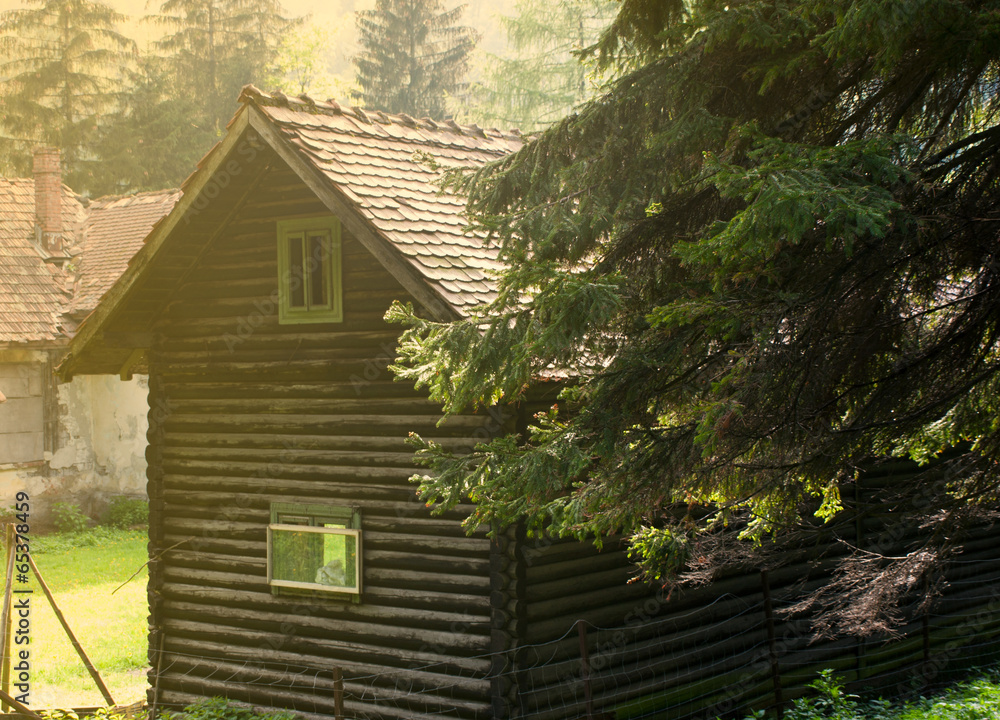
(314, 548)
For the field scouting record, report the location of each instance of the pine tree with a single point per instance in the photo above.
(63, 62)
(545, 78)
(149, 143)
(414, 55)
(768, 258)
(218, 46)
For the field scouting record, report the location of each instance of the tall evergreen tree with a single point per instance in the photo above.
(414, 55)
(150, 142)
(218, 46)
(545, 78)
(63, 66)
(768, 256)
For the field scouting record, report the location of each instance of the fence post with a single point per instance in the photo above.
(581, 629)
(925, 631)
(772, 650)
(861, 642)
(338, 693)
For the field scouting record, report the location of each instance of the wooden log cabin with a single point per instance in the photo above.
(289, 554)
(291, 564)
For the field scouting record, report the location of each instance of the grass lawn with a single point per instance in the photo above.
(110, 627)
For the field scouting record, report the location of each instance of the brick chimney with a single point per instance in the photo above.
(48, 199)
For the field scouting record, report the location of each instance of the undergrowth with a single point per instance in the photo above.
(222, 709)
(974, 699)
(208, 709)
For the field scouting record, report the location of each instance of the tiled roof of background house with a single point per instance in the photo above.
(113, 232)
(388, 166)
(101, 237)
(32, 292)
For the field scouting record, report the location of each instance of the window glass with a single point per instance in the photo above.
(295, 555)
(340, 553)
(309, 271)
(314, 548)
(314, 556)
(319, 270)
(296, 272)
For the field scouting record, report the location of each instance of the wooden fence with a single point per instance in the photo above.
(726, 648)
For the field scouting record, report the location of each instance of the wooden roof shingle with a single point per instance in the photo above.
(38, 298)
(114, 231)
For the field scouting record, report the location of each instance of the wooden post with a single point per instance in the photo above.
(8, 700)
(156, 677)
(5, 617)
(772, 650)
(861, 643)
(581, 629)
(338, 693)
(72, 638)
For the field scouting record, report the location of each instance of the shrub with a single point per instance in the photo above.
(123, 512)
(68, 517)
(222, 709)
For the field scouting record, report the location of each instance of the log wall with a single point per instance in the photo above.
(245, 412)
(727, 648)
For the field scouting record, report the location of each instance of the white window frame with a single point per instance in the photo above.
(312, 519)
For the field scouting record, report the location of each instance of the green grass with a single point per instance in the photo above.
(83, 572)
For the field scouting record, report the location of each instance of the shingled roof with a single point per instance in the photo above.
(33, 293)
(39, 300)
(113, 232)
(388, 166)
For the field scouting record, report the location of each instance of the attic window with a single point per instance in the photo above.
(314, 548)
(309, 283)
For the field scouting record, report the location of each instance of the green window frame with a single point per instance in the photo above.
(309, 271)
(315, 550)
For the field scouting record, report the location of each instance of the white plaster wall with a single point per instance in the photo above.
(105, 420)
(100, 450)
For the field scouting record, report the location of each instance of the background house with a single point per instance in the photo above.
(80, 441)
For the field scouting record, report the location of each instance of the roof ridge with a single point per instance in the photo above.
(306, 104)
(126, 196)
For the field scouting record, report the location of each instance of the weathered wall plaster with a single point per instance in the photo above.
(99, 447)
